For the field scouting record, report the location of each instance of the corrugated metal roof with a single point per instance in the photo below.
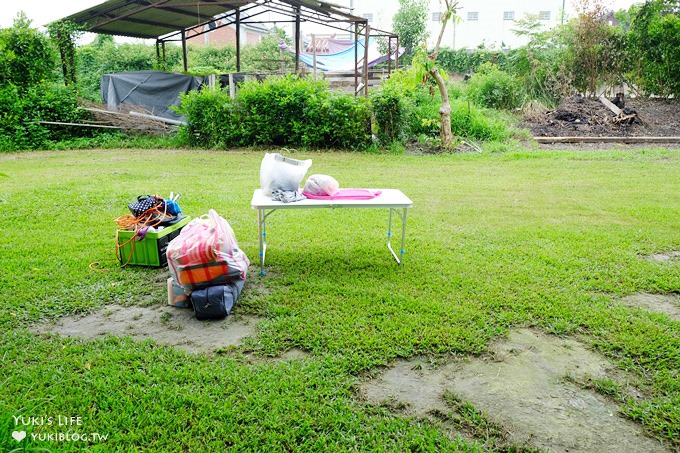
(151, 19)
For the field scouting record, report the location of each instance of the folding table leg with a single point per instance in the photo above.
(402, 216)
(262, 232)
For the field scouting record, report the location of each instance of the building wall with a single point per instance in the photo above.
(226, 35)
(492, 27)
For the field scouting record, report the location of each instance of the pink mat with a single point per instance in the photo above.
(346, 194)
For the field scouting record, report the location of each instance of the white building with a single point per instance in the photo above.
(482, 22)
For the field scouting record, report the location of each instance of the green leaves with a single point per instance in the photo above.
(493, 88)
(26, 55)
(286, 111)
(410, 23)
(655, 39)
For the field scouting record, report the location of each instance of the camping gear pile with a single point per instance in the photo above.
(207, 268)
(144, 234)
(207, 265)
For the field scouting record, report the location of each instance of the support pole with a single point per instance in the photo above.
(365, 77)
(238, 39)
(314, 54)
(158, 54)
(356, 58)
(297, 40)
(184, 49)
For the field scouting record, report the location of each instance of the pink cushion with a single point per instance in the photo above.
(346, 194)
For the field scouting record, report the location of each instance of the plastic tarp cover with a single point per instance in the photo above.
(156, 91)
(344, 60)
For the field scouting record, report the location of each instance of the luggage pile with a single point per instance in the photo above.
(207, 267)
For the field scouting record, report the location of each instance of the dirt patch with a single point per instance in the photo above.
(668, 304)
(164, 324)
(580, 116)
(522, 385)
(663, 257)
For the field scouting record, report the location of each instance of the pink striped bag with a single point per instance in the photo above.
(205, 242)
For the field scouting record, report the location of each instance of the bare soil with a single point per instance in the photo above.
(165, 324)
(522, 384)
(578, 116)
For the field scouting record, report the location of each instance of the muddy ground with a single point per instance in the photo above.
(578, 116)
(533, 387)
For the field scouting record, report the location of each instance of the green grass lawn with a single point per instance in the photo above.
(549, 240)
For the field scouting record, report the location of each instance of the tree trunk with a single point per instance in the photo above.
(445, 133)
(444, 111)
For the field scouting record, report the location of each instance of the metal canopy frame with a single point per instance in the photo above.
(172, 21)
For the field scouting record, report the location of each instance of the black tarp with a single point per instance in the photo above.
(156, 91)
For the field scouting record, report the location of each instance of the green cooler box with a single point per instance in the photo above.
(150, 251)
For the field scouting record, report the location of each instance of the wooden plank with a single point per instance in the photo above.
(109, 112)
(607, 139)
(607, 103)
(79, 124)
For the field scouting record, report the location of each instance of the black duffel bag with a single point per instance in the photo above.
(216, 302)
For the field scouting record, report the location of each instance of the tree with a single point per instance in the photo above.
(431, 66)
(655, 35)
(410, 23)
(591, 34)
(64, 33)
(26, 56)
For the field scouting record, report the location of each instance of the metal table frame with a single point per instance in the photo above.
(391, 199)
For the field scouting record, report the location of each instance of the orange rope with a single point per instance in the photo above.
(150, 218)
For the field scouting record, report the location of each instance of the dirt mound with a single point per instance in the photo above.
(578, 116)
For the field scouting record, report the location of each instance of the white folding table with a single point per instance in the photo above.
(391, 199)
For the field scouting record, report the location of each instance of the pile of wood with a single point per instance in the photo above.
(624, 116)
(129, 118)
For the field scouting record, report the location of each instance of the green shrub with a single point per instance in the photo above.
(472, 122)
(26, 55)
(344, 123)
(494, 88)
(462, 61)
(389, 111)
(210, 116)
(278, 111)
(22, 111)
(655, 40)
(286, 111)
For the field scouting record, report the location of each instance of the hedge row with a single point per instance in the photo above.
(286, 111)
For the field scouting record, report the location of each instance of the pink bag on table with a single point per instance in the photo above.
(206, 242)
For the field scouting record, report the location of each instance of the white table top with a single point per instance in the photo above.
(388, 198)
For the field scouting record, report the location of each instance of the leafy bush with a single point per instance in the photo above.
(210, 116)
(286, 111)
(279, 111)
(409, 109)
(472, 122)
(344, 123)
(655, 38)
(462, 61)
(26, 55)
(423, 117)
(389, 111)
(494, 88)
(22, 111)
